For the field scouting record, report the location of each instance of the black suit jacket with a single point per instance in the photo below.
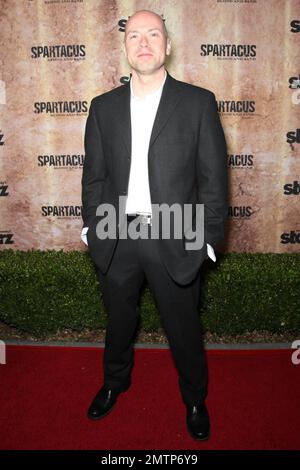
(187, 164)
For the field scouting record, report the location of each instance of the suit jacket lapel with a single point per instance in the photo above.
(169, 99)
(122, 115)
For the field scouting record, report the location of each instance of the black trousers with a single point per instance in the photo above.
(132, 261)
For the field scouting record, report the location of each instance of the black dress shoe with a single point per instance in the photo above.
(197, 420)
(104, 401)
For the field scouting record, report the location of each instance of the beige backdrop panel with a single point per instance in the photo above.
(261, 215)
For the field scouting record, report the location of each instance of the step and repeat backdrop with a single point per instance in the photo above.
(56, 55)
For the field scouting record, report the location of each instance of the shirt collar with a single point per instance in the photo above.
(149, 95)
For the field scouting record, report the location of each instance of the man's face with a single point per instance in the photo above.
(146, 46)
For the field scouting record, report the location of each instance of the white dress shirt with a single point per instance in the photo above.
(143, 111)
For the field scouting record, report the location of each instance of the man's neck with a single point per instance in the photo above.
(143, 85)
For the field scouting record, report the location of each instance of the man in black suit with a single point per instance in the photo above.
(153, 141)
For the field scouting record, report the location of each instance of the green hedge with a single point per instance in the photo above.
(44, 291)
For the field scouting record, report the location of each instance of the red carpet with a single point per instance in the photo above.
(45, 392)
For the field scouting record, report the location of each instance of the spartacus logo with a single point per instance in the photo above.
(62, 211)
(59, 52)
(229, 51)
(240, 212)
(240, 161)
(241, 107)
(60, 107)
(61, 161)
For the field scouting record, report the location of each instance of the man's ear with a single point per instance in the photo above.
(168, 49)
